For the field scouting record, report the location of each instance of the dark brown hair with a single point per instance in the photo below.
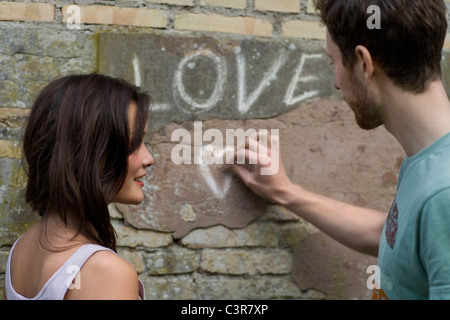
(408, 47)
(76, 146)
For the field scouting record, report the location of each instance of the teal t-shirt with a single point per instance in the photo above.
(414, 251)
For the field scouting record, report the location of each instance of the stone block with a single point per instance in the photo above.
(130, 237)
(119, 16)
(252, 262)
(172, 260)
(250, 288)
(179, 287)
(36, 40)
(220, 237)
(226, 24)
(174, 2)
(12, 122)
(181, 197)
(322, 149)
(15, 215)
(3, 260)
(237, 4)
(291, 6)
(32, 56)
(10, 149)
(133, 257)
(203, 77)
(27, 11)
(303, 29)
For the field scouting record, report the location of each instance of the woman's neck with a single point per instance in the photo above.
(56, 235)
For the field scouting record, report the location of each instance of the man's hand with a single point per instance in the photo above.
(258, 163)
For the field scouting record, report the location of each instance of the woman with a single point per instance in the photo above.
(84, 149)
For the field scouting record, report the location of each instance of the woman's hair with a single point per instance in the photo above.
(76, 146)
(408, 45)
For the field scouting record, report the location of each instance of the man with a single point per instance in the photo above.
(391, 77)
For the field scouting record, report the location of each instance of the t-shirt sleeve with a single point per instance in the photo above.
(435, 244)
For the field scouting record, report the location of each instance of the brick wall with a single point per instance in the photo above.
(287, 18)
(267, 253)
(268, 18)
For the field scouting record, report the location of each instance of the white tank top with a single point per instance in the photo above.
(63, 279)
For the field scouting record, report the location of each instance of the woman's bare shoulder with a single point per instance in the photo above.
(106, 275)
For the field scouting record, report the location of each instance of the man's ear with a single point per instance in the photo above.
(365, 62)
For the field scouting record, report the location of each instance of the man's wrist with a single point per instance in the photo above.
(286, 194)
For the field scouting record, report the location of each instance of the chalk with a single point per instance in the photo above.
(289, 98)
(205, 171)
(137, 71)
(245, 100)
(221, 70)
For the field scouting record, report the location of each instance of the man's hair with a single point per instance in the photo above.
(76, 146)
(408, 47)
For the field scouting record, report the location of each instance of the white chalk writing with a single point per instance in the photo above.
(217, 93)
(245, 98)
(245, 101)
(231, 152)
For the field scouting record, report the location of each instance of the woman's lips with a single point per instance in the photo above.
(138, 180)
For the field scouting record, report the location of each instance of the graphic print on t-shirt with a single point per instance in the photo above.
(392, 225)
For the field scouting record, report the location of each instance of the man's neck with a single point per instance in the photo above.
(416, 120)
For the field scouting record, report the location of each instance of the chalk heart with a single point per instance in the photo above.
(207, 191)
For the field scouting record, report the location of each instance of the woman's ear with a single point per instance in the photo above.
(365, 62)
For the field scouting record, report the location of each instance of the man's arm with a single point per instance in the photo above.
(434, 244)
(356, 227)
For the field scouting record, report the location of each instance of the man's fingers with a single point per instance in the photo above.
(240, 171)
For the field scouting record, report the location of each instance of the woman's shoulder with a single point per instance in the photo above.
(106, 275)
(108, 261)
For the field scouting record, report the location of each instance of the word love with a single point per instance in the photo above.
(238, 147)
(245, 98)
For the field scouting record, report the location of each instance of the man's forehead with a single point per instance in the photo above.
(331, 48)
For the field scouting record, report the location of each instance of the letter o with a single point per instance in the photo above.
(216, 95)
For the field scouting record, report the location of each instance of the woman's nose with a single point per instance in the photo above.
(148, 159)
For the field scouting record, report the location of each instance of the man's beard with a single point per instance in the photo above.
(367, 112)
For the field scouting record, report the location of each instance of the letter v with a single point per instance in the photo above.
(244, 101)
